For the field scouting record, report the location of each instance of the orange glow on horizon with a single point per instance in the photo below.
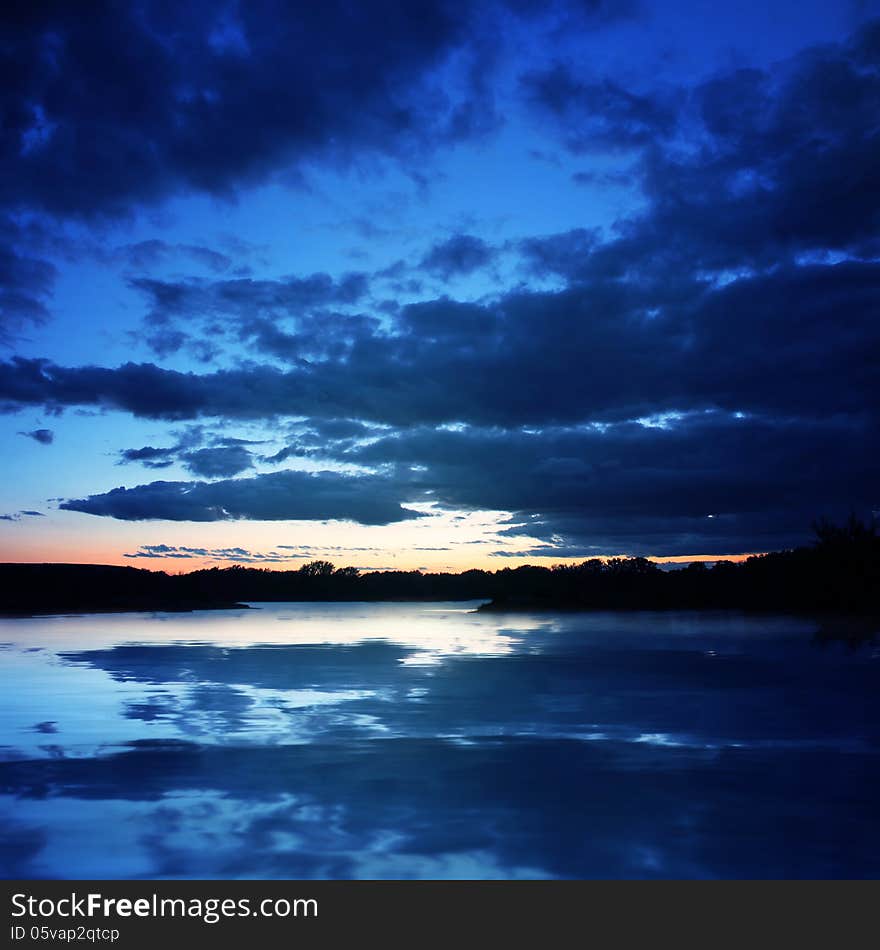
(440, 541)
(452, 562)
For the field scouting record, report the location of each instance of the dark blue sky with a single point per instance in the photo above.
(436, 285)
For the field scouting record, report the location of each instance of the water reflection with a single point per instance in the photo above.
(352, 740)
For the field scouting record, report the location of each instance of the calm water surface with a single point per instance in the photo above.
(427, 740)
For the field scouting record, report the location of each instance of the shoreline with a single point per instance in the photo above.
(74, 611)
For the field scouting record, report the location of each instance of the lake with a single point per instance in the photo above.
(433, 741)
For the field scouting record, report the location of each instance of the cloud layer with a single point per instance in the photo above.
(122, 104)
(702, 377)
(279, 496)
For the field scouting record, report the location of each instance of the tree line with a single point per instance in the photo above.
(838, 572)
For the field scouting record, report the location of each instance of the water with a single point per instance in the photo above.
(430, 741)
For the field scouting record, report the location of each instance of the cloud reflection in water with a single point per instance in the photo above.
(422, 741)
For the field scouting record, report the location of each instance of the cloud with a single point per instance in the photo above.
(681, 387)
(337, 429)
(246, 297)
(234, 555)
(223, 457)
(597, 113)
(601, 349)
(282, 455)
(280, 496)
(149, 456)
(286, 318)
(562, 254)
(748, 169)
(145, 255)
(126, 104)
(323, 437)
(43, 436)
(26, 284)
(779, 162)
(706, 482)
(219, 462)
(17, 516)
(640, 310)
(461, 254)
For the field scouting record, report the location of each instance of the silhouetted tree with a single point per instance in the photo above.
(317, 569)
(840, 572)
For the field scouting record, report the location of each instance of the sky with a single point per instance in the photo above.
(438, 285)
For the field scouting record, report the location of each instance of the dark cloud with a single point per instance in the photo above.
(282, 455)
(166, 341)
(228, 440)
(599, 113)
(245, 297)
(149, 456)
(280, 496)
(43, 436)
(708, 482)
(218, 462)
(145, 255)
(702, 377)
(561, 254)
(459, 255)
(232, 555)
(26, 284)
(223, 457)
(336, 429)
(18, 515)
(284, 318)
(311, 338)
(769, 163)
(787, 164)
(120, 104)
(49, 726)
(602, 349)
(323, 438)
